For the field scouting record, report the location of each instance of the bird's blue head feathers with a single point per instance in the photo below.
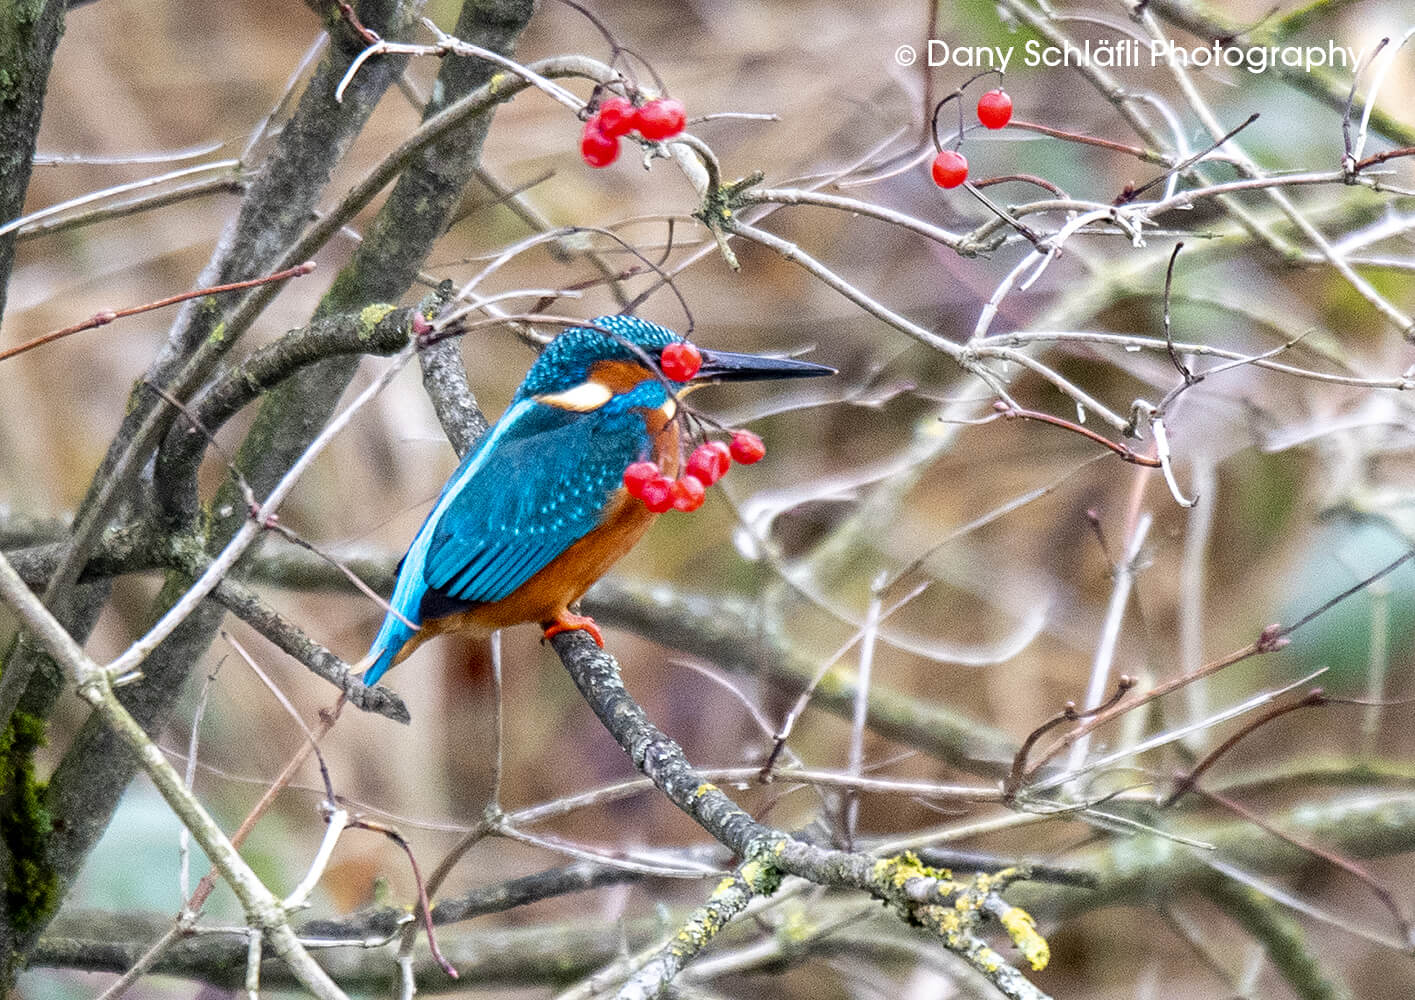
(567, 360)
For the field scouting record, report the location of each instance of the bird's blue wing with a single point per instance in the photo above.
(542, 487)
(537, 482)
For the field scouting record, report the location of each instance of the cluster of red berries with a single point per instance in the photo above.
(950, 167)
(662, 118)
(707, 464)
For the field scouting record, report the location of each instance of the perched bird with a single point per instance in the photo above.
(537, 511)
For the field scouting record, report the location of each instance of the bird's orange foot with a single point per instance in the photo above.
(566, 622)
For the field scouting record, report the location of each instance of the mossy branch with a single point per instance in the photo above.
(376, 329)
(755, 877)
(29, 34)
(263, 910)
(918, 894)
(277, 205)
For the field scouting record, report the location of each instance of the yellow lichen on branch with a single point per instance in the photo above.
(898, 870)
(953, 908)
(1022, 929)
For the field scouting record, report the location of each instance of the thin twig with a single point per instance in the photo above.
(184, 836)
(1188, 780)
(109, 315)
(1130, 194)
(423, 908)
(1386, 897)
(1125, 452)
(857, 722)
(1180, 366)
(1069, 713)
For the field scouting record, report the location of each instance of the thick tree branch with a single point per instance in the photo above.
(276, 207)
(445, 382)
(380, 330)
(385, 921)
(514, 957)
(88, 780)
(29, 34)
(247, 605)
(727, 901)
(263, 911)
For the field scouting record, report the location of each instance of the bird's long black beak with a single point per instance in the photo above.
(724, 366)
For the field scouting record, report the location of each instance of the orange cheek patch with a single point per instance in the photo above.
(618, 376)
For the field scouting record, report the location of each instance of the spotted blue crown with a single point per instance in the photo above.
(567, 360)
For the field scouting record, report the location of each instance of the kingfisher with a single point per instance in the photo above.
(538, 511)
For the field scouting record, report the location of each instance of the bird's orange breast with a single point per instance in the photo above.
(564, 581)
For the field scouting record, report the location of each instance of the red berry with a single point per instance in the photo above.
(688, 493)
(680, 360)
(950, 168)
(637, 475)
(660, 119)
(658, 494)
(615, 116)
(709, 462)
(995, 108)
(598, 149)
(747, 447)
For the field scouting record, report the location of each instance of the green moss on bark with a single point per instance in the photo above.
(31, 888)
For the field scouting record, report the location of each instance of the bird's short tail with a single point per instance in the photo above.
(376, 664)
(392, 637)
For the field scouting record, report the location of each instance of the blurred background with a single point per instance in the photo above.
(1303, 486)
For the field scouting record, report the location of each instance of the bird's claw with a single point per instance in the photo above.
(566, 622)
